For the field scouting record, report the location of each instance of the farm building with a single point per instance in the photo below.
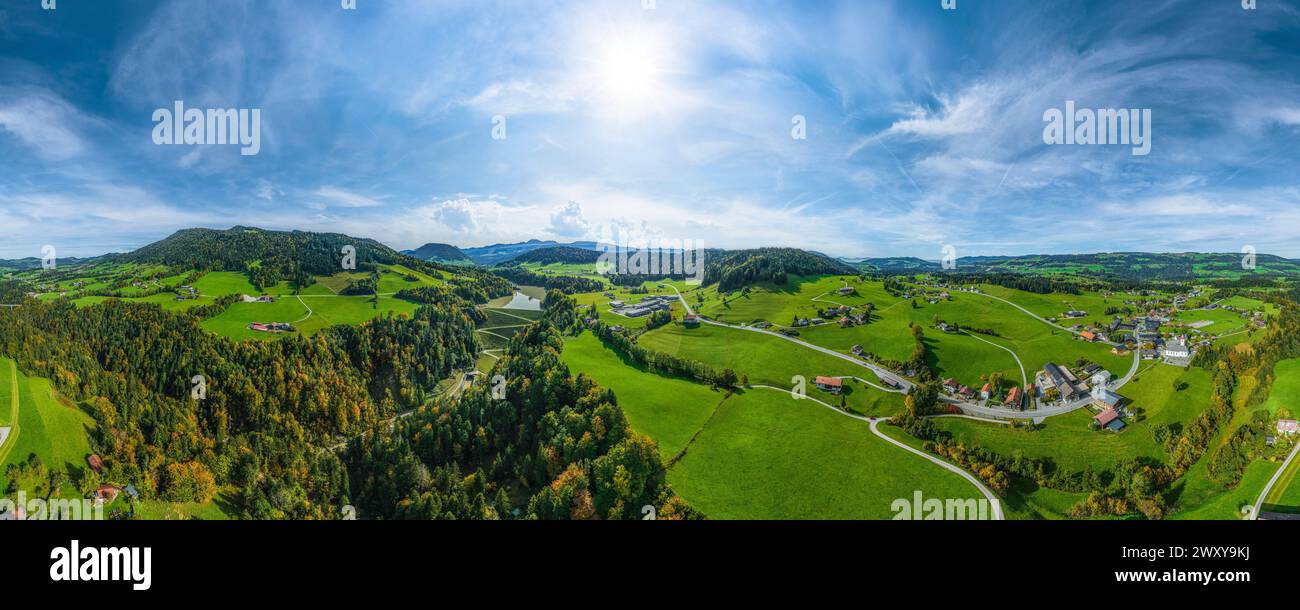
(1288, 426)
(691, 320)
(1088, 336)
(1015, 398)
(830, 384)
(1109, 419)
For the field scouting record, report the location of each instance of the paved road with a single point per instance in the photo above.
(988, 494)
(874, 421)
(969, 408)
(881, 372)
(1259, 503)
(1024, 380)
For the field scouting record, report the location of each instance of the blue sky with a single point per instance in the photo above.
(924, 125)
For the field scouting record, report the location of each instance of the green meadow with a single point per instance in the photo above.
(49, 426)
(765, 455)
(760, 454)
(1065, 439)
(773, 361)
(666, 409)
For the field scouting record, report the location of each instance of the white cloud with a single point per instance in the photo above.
(969, 113)
(338, 197)
(568, 221)
(457, 215)
(44, 122)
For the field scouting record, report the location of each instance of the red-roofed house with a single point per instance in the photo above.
(984, 391)
(1288, 426)
(95, 463)
(830, 384)
(1013, 397)
(107, 493)
(1088, 335)
(1105, 417)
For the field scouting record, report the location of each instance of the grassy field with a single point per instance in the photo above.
(770, 360)
(767, 456)
(1065, 439)
(759, 453)
(1221, 321)
(966, 358)
(1053, 305)
(48, 426)
(1168, 394)
(626, 295)
(157, 510)
(666, 409)
(1284, 397)
(8, 403)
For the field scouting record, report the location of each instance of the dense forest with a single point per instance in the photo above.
(438, 252)
(273, 256)
(556, 254)
(269, 409)
(733, 270)
(1039, 284)
(564, 283)
(547, 445)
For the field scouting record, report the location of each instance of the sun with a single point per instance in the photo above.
(627, 72)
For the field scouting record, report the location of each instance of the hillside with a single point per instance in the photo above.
(444, 253)
(273, 256)
(499, 253)
(1118, 265)
(32, 262)
(557, 254)
(734, 269)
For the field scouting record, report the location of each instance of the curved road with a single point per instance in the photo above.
(1024, 380)
(874, 421)
(881, 372)
(906, 386)
(1259, 503)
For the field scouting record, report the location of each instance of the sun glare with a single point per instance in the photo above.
(628, 74)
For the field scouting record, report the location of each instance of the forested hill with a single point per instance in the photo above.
(552, 445)
(270, 410)
(445, 253)
(556, 254)
(297, 256)
(1116, 265)
(737, 268)
(240, 248)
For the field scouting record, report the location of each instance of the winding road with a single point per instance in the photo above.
(883, 373)
(1259, 503)
(992, 498)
